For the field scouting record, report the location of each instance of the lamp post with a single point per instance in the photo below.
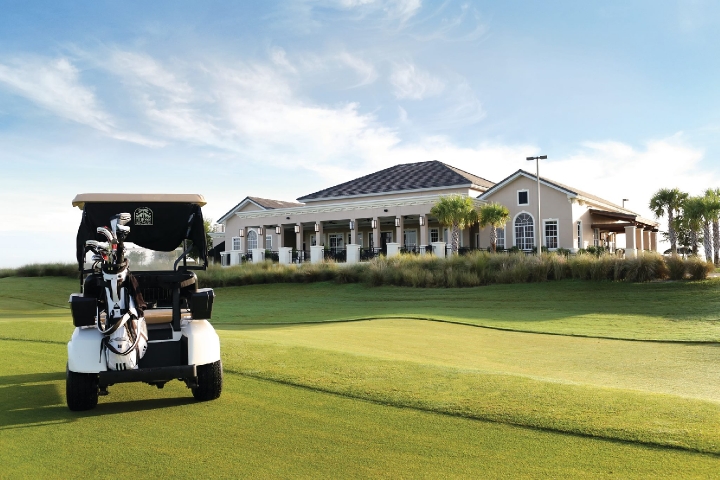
(625, 200)
(538, 245)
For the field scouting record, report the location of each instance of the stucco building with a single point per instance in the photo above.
(389, 211)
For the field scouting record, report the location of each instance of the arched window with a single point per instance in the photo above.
(524, 232)
(252, 239)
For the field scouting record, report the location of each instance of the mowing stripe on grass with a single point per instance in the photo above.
(468, 324)
(479, 418)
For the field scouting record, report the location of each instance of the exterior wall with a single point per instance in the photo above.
(581, 213)
(554, 205)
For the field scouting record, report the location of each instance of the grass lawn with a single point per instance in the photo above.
(393, 397)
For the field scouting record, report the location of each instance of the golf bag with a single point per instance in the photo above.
(125, 336)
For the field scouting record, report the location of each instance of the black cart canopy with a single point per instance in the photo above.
(159, 222)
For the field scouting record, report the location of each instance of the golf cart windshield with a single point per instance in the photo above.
(158, 222)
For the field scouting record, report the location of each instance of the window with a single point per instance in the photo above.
(336, 241)
(579, 235)
(524, 232)
(268, 242)
(500, 240)
(360, 239)
(596, 237)
(312, 240)
(410, 238)
(523, 197)
(551, 233)
(236, 243)
(252, 240)
(434, 235)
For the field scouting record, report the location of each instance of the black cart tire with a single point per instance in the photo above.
(210, 380)
(81, 390)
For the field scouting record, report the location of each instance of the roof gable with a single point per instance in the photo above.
(574, 192)
(261, 203)
(399, 178)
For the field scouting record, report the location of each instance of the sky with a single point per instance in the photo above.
(281, 99)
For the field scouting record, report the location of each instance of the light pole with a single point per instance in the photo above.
(625, 200)
(538, 244)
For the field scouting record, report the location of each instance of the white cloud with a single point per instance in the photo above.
(410, 82)
(614, 170)
(54, 84)
(141, 69)
(279, 58)
(402, 9)
(364, 69)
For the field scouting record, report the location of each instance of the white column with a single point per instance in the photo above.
(353, 253)
(320, 236)
(399, 237)
(630, 234)
(653, 241)
(639, 241)
(376, 233)
(424, 233)
(258, 255)
(353, 231)
(285, 254)
(280, 239)
(299, 237)
(317, 253)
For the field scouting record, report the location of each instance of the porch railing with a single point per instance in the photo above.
(369, 253)
(337, 254)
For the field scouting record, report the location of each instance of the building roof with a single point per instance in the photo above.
(263, 203)
(607, 205)
(404, 177)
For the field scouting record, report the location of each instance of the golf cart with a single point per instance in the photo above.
(140, 326)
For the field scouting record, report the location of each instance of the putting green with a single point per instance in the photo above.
(676, 369)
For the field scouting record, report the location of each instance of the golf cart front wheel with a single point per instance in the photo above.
(81, 390)
(209, 384)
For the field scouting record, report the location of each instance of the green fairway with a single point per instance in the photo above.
(396, 397)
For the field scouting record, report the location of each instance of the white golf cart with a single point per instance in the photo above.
(140, 326)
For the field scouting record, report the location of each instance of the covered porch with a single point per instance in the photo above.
(343, 233)
(639, 234)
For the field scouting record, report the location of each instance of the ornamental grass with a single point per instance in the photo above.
(428, 271)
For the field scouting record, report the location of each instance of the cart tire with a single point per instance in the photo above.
(81, 390)
(210, 380)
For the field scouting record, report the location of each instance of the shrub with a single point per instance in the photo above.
(677, 268)
(645, 267)
(580, 266)
(43, 270)
(699, 269)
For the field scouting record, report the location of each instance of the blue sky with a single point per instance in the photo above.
(278, 99)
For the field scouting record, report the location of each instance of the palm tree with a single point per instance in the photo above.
(714, 194)
(457, 212)
(692, 219)
(496, 216)
(709, 214)
(668, 201)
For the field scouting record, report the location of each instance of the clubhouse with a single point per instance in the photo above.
(388, 211)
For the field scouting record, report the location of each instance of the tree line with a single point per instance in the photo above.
(692, 221)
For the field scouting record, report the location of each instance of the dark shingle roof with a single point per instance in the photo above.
(409, 176)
